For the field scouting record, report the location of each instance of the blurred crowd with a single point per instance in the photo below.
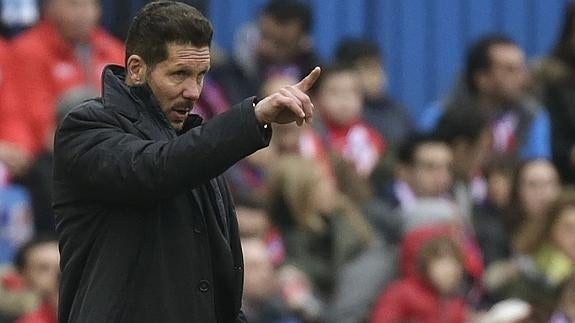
(462, 214)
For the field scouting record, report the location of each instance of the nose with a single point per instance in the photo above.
(192, 91)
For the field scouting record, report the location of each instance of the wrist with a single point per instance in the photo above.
(259, 117)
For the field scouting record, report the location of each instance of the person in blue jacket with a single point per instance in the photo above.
(496, 80)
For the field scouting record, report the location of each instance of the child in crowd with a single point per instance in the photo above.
(339, 99)
(430, 289)
(388, 117)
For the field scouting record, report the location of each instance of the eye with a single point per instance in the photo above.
(180, 75)
(201, 77)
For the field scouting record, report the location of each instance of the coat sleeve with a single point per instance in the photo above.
(96, 156)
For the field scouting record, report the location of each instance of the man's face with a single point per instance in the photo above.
(507, 78)
(279, 42)
(41, 271)
(177, 81)
(74, 19)
(431, 172)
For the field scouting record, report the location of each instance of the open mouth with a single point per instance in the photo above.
(182, 112)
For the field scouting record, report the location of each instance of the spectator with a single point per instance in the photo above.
(38, 180)
(325, 236)
(38, 264)
(339, 101)
(66, 49)
(535, 185)
(430, 215)
(280, 42)
(555, 84)
(388, 117)
(467, 133)
(254, 222)
(429, 289)
(496, 81)
(488, 220)
(262, 301)
(423, 171)
(538, 274)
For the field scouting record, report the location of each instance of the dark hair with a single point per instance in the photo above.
(563, 49)
(479, 59)
(285, 11)
(160, 23)
(329, 71)
(516, 214)
(437, 247)
(407, 148)
(461, 123)
(351, 50)
(20, 260)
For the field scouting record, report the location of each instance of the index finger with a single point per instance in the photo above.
(308, 81)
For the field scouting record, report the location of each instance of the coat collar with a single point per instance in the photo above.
(135, 101)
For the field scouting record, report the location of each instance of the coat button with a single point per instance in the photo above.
(204, 286)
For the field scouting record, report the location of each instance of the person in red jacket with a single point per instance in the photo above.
(431, 284)
(13, 157)
(65, 50)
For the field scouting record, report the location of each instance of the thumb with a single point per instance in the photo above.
(307, 82)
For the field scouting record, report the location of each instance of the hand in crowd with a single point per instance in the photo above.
(289, 104)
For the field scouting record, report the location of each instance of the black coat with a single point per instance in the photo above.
(147, 226)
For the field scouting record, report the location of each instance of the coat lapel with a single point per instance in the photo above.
(139, 105)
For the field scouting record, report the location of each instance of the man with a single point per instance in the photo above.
(65, 50)
(423, 171)
(37, 263)
(147, 228)
(496, 81)
(280, 43)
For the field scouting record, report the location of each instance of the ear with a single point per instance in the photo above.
(136, 70)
